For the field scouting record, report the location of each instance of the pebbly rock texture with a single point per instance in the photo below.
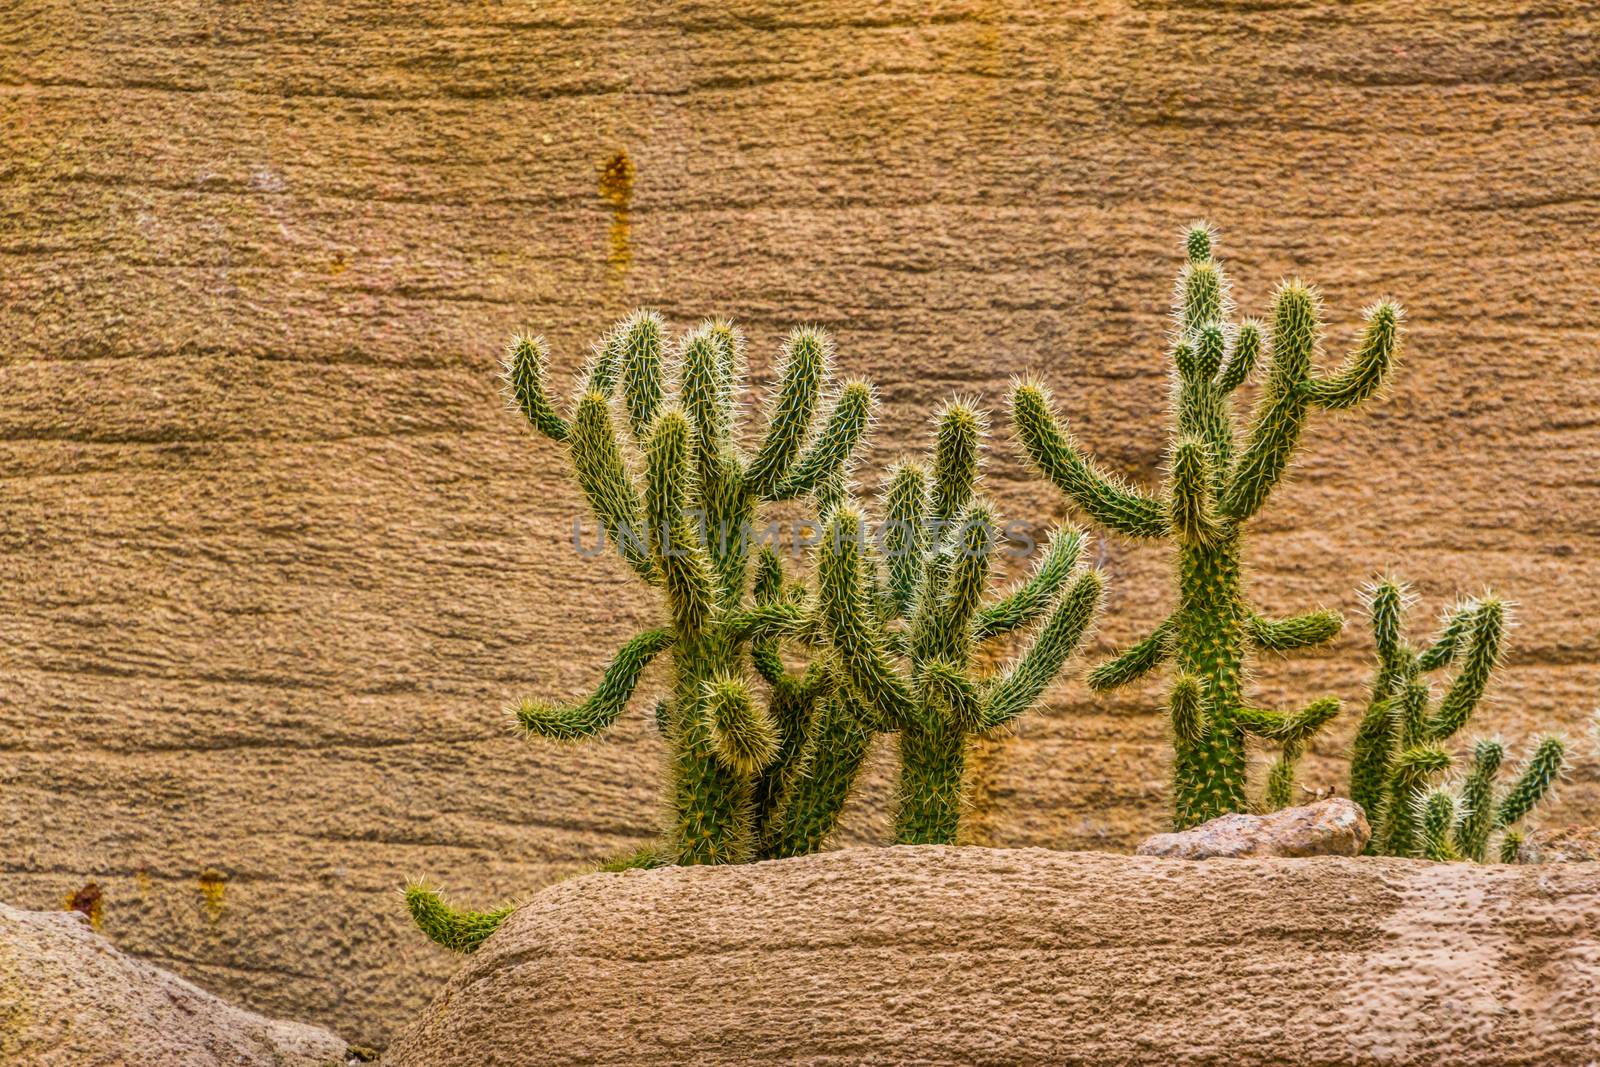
(68, 997)
(1332, 827)
(977, 956)
(274, 555)
(1566, 844)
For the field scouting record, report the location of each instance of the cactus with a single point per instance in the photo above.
(1399, 755)
(754, 770)
(907, 630)
(1215, 482)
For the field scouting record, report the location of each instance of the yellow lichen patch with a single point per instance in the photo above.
(89, 900)
(616, 189)
(212, 884)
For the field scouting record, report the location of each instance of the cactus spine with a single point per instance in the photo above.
(907, 629)
(1399, 755)
(1215, 483)
(751, 773)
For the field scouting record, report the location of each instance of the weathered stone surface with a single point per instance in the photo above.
(68, 997)
(960, 956)
(1331, 827)
(274, 555)
(1566, 844)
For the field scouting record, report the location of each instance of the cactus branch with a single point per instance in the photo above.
(456, 930)
(1134, 662)
(524, 373)
(600, 710)
(1100, 496)
(1299, 631)
(1028, 601)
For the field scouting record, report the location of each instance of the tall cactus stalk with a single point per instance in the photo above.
(1399, 756)
(1216, 481)
(908, 629)
(753, 770)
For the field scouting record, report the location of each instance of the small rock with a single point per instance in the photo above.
(1332, 827)
(1569, 844)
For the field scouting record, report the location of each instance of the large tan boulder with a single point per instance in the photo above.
(68, 997)
(979, 956)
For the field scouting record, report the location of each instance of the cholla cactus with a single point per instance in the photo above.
(1399, 755)
(1215, 483)
(749, 777)
(907, 635)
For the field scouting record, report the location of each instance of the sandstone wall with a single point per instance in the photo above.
(274, 554)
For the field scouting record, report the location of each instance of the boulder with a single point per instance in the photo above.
(1332, 827)
(941, 955)
(68, 997)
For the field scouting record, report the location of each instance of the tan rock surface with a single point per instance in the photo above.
(274, 556)
(980, 956)
(1332, 827)
(69, 998)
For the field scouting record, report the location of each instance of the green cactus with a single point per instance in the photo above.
(1399, 754)
(908, 630)
(1216, 481)
(756, 769)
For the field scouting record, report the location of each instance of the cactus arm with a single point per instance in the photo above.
(1386, 600)
(1511, 846)
(767, 592)
(904, 535)
(1438, 817)
(1058, 458)
(830, 452)
(524, 375)
(1189, 505)
(1442, 651)
(703, 390)
(745, 738)
(955, 459)
(642, 372)
(686, 573)
(1364, 372)
(951, 622)
(1295, 728)
(730, 368)
(1134, 662)
(1476, 821)
(1409, 774)
(1246, 350)
(847, 614)
(1280, 415)
(1298, 631)
(1369, 758)
(643, 858)
(946, 685)
(1027, 601)
(1019, 687)
(1537, 779)
(1281, 776)
(606, 485)
(825, 771)
(806, 358)
(457, 930)
(765, 622)
(573, 721)
(1186, 707)
(1483, 641)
